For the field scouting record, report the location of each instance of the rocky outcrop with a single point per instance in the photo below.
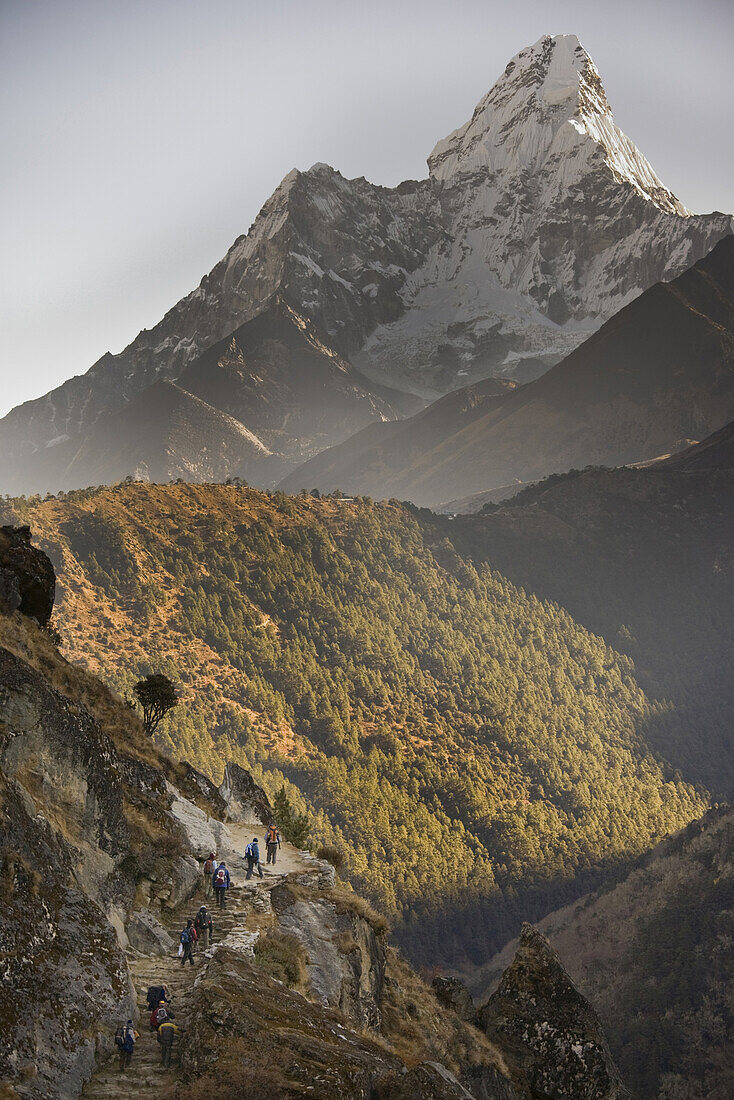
(453, 994)
(273, 1041)
(278, 1037)
(63, 978)
(430, 1081)
(27, 579)
(549, 1033)
(243, 799)
(90, 851)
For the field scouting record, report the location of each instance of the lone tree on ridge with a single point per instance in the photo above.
(156, 695)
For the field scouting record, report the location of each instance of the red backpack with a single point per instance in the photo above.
(221, 879)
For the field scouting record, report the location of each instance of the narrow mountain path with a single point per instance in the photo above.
(248, 912)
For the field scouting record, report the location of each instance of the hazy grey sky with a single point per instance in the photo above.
(140, 137)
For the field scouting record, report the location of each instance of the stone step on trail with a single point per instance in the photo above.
(146, 1077)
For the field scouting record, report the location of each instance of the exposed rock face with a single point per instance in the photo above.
(244, 800)
(278, 1035)
(288, 1045)
(76, 867)
(27, 579)
(66, 764)
(539, 220)
(63, 977)
(550, 1034)
(319, 876)
(430, 1081)
(205, 833)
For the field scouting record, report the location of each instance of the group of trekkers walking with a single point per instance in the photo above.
(216, 879)
(198, 931)
(162, 1021)
(252, 851)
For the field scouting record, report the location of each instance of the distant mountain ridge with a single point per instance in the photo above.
(659, 373)
(538, 221)
(269, 395)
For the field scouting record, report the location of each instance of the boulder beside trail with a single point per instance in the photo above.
(453, 994)
(429, 1080)
(147, 935)
(245, 801)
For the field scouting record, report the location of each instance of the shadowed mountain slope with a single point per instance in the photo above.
(654, 955)
(252, 406)
(642, 556)
(278, 376)
(659, 373)
(165, 432)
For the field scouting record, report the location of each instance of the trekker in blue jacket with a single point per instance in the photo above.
(220, 882)
(252, 855)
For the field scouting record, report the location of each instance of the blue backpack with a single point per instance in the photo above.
(185, 936)
(125, 1038)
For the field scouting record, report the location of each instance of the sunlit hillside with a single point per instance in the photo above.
(477, 754)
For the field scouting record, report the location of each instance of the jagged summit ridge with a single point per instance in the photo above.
(548, 108)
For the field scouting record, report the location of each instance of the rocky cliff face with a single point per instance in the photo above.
(538, 221)
(90, 848)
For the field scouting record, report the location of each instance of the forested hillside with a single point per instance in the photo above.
(645, 558)
(477, 754)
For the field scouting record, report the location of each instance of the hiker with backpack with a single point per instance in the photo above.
(210, 866)
(156, 995)
(272, 843)
(161, 1012)
(166, 1035)
(204, 927)
(252, 855)
(188, 942)
(220, 882)
(125, 1041)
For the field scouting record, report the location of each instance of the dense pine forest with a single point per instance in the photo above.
(645, 558)
(477, 754)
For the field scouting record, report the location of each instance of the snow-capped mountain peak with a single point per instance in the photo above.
(548, 109)
(538, 221)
